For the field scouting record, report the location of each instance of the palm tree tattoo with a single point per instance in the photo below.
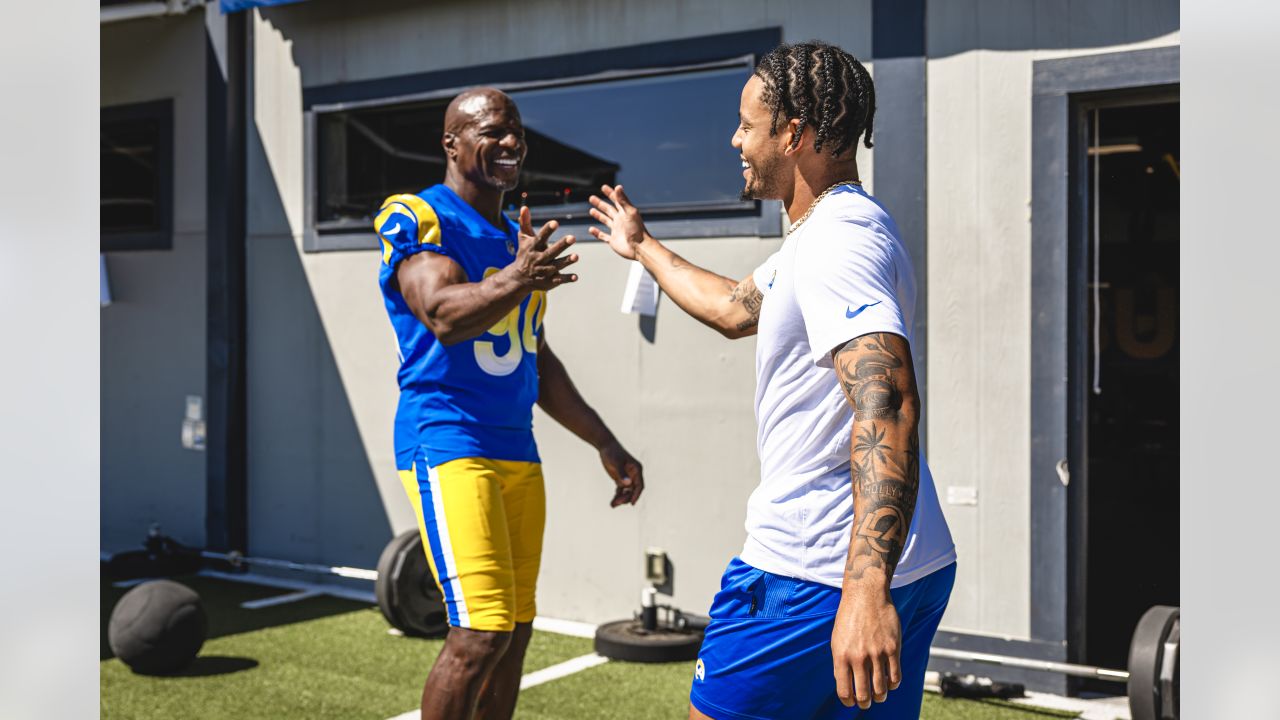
(878, 380)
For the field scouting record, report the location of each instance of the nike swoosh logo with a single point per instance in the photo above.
(855, 313)
(392, 231)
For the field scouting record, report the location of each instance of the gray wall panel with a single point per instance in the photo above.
(901, 138)
(312, 493)
(982, 357)
(153, 333)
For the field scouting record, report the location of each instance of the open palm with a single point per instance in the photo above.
(625, 227)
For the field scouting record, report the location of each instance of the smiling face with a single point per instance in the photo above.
(484, 139)
(766, 168)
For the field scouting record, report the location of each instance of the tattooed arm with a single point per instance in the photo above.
(730, 307)
(879, 381)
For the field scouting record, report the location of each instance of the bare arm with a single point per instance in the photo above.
(730, 307)
(560, 399)
(878, 379)
(437, 291)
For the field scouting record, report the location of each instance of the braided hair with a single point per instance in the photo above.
(823, 87)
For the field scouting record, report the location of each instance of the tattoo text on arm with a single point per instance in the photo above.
(751, 299)
(876, 375)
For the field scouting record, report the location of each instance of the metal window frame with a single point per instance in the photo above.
(162, 237)
(674, 221)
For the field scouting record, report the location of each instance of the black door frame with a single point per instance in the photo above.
(1078, 347)
(1062, 90)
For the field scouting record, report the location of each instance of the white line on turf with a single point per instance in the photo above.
(279, 599)
(1110, 708)
(348, 593)
(566, 668)
(555, 672)
(1104, 708)
(564, 627)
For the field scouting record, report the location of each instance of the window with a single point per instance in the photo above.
(136, 176)
(664, 133)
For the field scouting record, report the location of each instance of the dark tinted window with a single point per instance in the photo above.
(136, 156)
(665, 137)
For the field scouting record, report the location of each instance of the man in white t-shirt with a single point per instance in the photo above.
(832, 605)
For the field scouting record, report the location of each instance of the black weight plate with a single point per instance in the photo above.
(1146, 650)
(406, 590)
(628, 640)
(1172, 692)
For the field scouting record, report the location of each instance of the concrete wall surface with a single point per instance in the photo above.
(979, 159)
(153, 333)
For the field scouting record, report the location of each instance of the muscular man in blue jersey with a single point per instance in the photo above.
(466, 290)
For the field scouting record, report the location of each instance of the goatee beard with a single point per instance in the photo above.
(754, 190)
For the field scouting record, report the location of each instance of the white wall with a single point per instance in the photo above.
(979, 214)
(153, 333)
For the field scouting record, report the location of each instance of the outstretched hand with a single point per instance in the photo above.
(626, 472)
(537, 265)
(625, 226)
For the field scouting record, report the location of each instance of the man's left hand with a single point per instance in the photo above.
(866, 648)
(626, 471)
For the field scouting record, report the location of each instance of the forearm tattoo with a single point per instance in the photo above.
(749, 296)
(877, 377)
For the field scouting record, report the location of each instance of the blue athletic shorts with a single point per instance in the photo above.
(767, 651)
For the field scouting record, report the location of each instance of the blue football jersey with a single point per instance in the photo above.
(474, 398)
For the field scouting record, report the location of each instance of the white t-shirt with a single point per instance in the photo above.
(841, 274)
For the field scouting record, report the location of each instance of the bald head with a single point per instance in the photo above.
(472, 106)
(483, 142)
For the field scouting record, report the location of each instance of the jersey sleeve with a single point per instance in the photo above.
(407, 225)
(846, 286)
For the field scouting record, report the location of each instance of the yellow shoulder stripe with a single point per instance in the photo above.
(428, 223)
(415, 208)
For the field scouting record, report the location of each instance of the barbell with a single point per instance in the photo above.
(1152, 678)
(404, 587)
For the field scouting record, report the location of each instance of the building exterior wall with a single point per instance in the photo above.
(979, 151)
(153, 333)
(322, 363)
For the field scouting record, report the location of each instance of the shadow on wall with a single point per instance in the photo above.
(956, 27)
(312, 493)
(152, 357)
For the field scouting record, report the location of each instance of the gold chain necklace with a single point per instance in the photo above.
(817, 200)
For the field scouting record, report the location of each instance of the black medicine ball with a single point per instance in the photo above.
(157, 627)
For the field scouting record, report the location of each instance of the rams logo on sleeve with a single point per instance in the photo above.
(404, 221)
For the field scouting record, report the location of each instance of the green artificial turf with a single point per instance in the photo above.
(615, 690)
(939, 708)
(631, 691)
(325, 657)
(317, 658)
